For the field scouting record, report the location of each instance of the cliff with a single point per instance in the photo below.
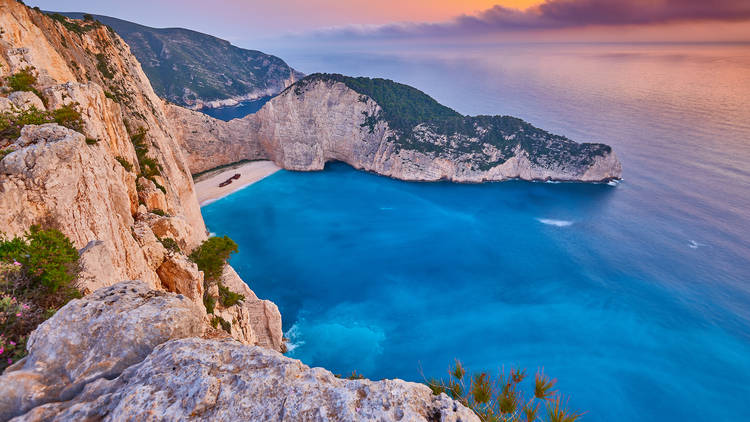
(197, 70)
(170, 370)
(390, 129)
(115, 181)
(86, 147)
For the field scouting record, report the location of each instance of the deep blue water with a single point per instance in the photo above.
(635, 297)
(237, 111)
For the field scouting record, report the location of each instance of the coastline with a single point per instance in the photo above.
(207, 185)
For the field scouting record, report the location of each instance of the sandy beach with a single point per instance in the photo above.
(207, 185)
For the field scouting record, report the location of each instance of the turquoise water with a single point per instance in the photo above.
(636, 297)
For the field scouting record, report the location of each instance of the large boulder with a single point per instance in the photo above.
(95, 338)
(212, 380)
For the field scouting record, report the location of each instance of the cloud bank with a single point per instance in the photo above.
(557, 14)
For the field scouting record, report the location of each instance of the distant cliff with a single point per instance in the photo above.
(391, 129)
(196, 70)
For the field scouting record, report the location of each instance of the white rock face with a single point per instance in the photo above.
(55, 174)
(95, 267)
(131, 353)
(24, 100)
(214, 142)
(305, 127)
(254, 321)
(95, 338)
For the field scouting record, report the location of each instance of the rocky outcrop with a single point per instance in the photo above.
(322, 118)
(209, 143)
(55, 175)
(254, 321)
(91, 183)
(163, 372)
(95, 338)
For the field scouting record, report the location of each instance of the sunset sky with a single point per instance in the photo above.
(248, 23)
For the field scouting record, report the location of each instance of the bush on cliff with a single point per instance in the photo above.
(11, 123)
(23, 80)
(212, 254)
(229, 298)
(36, 275)
(501, 399)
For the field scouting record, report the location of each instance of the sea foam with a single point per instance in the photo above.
(556, 223)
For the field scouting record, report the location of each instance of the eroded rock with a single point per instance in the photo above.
(93, 338)
(197, 379)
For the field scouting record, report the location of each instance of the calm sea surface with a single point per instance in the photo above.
(635, 297)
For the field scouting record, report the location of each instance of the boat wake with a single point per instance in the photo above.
(556, 223)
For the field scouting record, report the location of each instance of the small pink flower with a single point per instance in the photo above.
(1, 350)
(25, 306)
(16, 263)
(10, 361)
(12, 343)
(18, 314)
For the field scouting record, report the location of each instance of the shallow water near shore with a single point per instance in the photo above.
(636, 297)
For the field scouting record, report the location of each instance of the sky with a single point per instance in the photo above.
(249, 23)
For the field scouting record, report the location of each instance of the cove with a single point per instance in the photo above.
(397, 279)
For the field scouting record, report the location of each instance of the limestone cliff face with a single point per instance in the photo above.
(90, 185)
(316, 121)
(209, 143)
(165, 371)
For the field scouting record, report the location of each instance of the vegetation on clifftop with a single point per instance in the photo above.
(420, 123)
(36, 279)
(501, 398)
(211, 257)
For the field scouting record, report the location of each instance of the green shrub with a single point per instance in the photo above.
(355, 376)
(123, 162)
(92, 141)
(36, 274)
(501, 399)
(158, 212)
(11, 123)
(102, 64)
(160, 187)
(227, 297)
(49, 257)
(170, 244)
(78, 27)
(4, 152)
(150, 168)
(225, 325)
(69, 117)
(23, 80)
(211, 256)
(209, 302)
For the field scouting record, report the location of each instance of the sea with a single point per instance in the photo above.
(634, 297)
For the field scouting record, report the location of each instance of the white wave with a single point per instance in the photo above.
(292, 341)
(694, 245)
(614, 182)
(211, 234)
(386, 208)
(556, 223)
